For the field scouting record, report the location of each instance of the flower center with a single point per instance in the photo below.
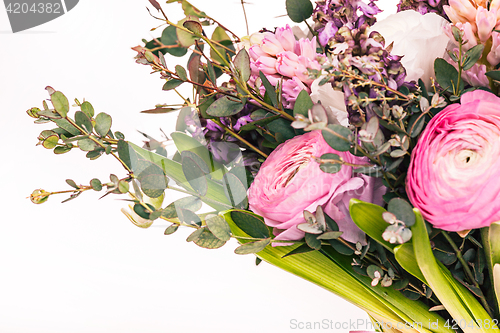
(467, 157)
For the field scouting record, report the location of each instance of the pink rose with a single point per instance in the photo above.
(455, 166)
(290, 181)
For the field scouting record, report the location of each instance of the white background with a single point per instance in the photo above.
(82, 266)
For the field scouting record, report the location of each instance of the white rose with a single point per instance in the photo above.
(419, 38)
(332, 100)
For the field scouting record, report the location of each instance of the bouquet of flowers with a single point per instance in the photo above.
(358, 155)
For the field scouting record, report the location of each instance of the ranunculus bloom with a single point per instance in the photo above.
(290, 181)
(455, 166)
(418, 38)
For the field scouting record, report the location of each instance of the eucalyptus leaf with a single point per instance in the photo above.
(250, 224)
(169, 37)
(271, 92)
(447, 76)
(338, 137)
(219, 228)
(88, 109)
(102, 124)
(312, 241)
(82, 120)
(208, 240)
(172, 84)
(195, 172)
(181, 72)
(242, 64)
(60, 103)
(235, 190)
(402, 210)
(299, 10)
(225, 107)
(302, 104)
(253, 247)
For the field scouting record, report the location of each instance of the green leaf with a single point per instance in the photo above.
(195, 235)
(102, 124)
(242, 64)
(142, 211)
(458, 301)
(151, 177)
(330, 235)
(402, 210)
(60, 103)
(303, 104)
(72, 183)
(253, 247)
(66, 125)
(225, 107)
(250, 224)
(184, 38)
(86, 145)
(283, 127)
(299, 10)
(271, 92)
(184, 142)
(169, 37)
(171, 229)
(123, 186)
(447, 76)
(172, 84)
(312, 241)
(368, 217)
(51, 141)
(61, 149)
(211, 73)
(330, 167)
(88, 109)
(221, 36)
(208, 240)
(472, 56)
(195, 171)
(193, 26)
(340, 139)
(235, 191)
(219, 228)
(181, 72)
(96, 184)
(304, 248)
(188, 216)
(82, 120)
(495, 75)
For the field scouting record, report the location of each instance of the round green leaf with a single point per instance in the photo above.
(86, 145)
(96, 184)
(188, 216)
(82, 120)
(219, 228)
(225, 107)
(208, 241)
(253, 247)
(299, 10)
(171, 229)
(338, 137)
(242, 64)
(169, 37)
(402, 210)
(152, 178)
(330, 167)
(60, 103)
(88, 109)
(50, 142)
(102, 124)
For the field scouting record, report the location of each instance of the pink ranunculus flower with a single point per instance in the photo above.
(290, 181)
(455, 166)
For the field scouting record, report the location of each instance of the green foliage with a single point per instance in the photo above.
(299, 10)
(302, 104)
(250, 224)
(338, 137)
(242, 64)
(447, 76)
(225, 106)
